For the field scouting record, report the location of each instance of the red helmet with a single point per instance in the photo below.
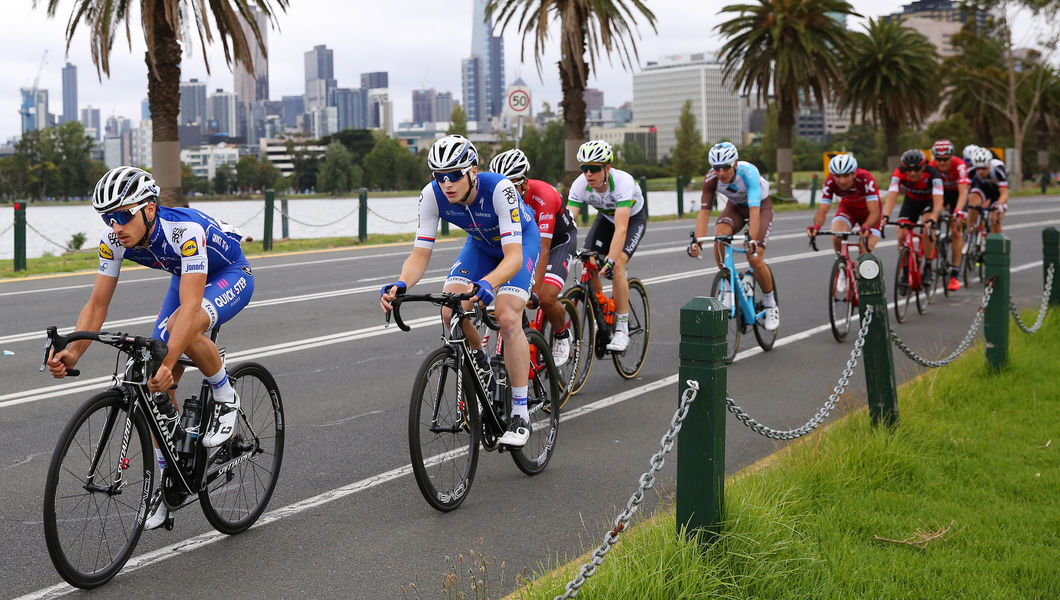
(942, 148)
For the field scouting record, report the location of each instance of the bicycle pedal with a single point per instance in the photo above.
(169, 523)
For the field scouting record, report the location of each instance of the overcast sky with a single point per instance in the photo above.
(419, 42)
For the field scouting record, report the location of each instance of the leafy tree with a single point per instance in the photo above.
(247, 172)
(632, 153)
(223, 179)
(954, 128)
(336, 171)
(358, 141)
(859, 140)
(974, 78)
(688, 147)
(73, 154)
(457, 122)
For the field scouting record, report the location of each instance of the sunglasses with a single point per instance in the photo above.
(591, 168)
(450, 176)
(912, 169)
(121, 217)
(722, 167)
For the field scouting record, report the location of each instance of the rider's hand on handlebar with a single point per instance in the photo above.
(812, 230)
(483, 291)
(59, 362)
(162, 381)
(693, 249)
(752, 246)
(389, 292)
(608, 268)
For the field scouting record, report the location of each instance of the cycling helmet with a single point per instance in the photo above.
(451, 153)
(967, 152)
(595, 151)
(841, 164)
(942, 148)
(513, 164)
(981, 157)
(912, 159)
(122, 186)
(723, 154)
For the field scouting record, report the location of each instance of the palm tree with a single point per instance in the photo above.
(892, 77)
(790, 48)
(164, 22)
(584, 25)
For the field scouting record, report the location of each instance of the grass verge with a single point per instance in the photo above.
(965, 491)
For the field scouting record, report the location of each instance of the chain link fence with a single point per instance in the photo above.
(965, 344)
(1042, 309)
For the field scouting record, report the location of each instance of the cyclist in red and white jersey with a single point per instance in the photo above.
(922, 185)
(559, 236)
(859, 202)
(955, 185)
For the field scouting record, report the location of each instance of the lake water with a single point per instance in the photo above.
(50, 227)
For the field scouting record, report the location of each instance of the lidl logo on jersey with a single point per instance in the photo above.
(190, 248)
(515, 215)
(105, 251)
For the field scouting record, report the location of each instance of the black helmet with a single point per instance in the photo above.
(912, 159)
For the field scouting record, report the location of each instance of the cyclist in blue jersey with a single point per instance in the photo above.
(497, 261)
(212, 281)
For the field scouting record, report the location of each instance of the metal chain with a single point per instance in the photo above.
(824, 411)
(8, 228)
(251, 218)
(347, 215)
(389, 220)
(647, 480)
(47, 239)
(965, 344)
(1041, 310)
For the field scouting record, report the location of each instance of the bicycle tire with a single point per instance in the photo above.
(968, 262)
(83, 525)
(568, 373)
(629, 363)
(901, 278)
(840, 307)
(921, 290)
(587, 341)
(542, 389)
(765, 337)
(232, 501)
(720, 285)
(445, 472)
(945, 260)
(930, 291)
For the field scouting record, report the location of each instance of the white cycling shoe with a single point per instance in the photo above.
(561, 351)
(157, 517)
(772, 318)
(222, 424)
(619, 342)
(517, 434)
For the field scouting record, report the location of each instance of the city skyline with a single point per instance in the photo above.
(429, 58)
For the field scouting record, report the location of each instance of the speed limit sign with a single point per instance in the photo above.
(519, 101)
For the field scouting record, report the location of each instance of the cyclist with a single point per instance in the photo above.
(559, 236)
(212, 281)
(955, 184)
(497, 261)
(747, 195)
(922, 185)
(989, 188)
(619, 224)
(966, 154)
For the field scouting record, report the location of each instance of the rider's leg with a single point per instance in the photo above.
(721, 228)
(548, 296)
(839, 224)
(995, 221)
(957, 235)
(763, 276)
(517, 360)
(474, 340)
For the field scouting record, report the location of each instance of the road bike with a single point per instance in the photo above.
(456, 407)
(596, 315)
(974, 262)
(943, 255)
(101, 476)
(842, 283)
(909, 275)
(740, 296)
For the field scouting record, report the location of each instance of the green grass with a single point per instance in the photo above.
(974, 452)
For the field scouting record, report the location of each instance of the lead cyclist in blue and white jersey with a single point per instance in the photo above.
(500, 254)
(747, 195)
(212, 281)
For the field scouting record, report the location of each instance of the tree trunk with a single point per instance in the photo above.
(1043, 141)
(785, 128)
(890, 140)
(163, 94)
(573, 76)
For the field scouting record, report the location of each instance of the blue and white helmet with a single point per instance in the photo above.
(723, 154)
(451, 153)
(981, 157)
(841, 164)
(123, 186)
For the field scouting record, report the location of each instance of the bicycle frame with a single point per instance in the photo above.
(747, 307)
(588, 282)
(914, 240)
(848, 264)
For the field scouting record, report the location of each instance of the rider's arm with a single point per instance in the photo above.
(822, 212)
(426, 230)
(415, 265)
(182, 326)
(542, 264)
(753, 180)
(706, 203)
(753, 221)
(618, 240)
(91, 318)
(874, 214)
(576, 197)
(1002, 197)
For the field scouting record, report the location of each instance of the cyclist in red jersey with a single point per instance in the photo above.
(955, 186)
(922, 185)
(559, 237)
(859, 202)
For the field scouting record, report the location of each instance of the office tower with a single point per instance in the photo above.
(375, 80)
(34, 109)
(594, 99)
(293, 109)
(442, 106)
(90, 119)
(483, 80)
(380, 110)
(253, 86)
(222, 113)
(192, 103)
(145, 110)
(423, 106)
(471, 80)
(69, 93)
(349, 107)
(141, 145)
(319, 77)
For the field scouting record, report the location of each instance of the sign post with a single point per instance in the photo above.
(516, 107)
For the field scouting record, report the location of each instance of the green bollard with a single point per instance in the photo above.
(644, 189)
(877, 357)
(1051, 256)
(701, 444)
(283, 219)
(813, 190)
(20, 236)
(270, 204)
(362, 215)
(681, 182)
(995, 323)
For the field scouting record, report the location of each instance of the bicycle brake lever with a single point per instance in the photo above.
(387, 319)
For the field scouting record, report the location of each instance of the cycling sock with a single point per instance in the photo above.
(622, 322)
(161, 459)
(222, 388)
(954, 272)
(769, 300)
(562, 335)
(519, 402)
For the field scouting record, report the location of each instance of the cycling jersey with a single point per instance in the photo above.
(747, 188)
(989, 187)
(552, 217)
(496, 218)
(862, 191)
(622, 191)
(922, 190)
(955, 175)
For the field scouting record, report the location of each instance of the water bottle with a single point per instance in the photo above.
(747, 282)
(500, 384)
(189, 423)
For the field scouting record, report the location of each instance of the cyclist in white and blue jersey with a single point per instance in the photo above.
(497, 261)
(212, 281)
(747, 195)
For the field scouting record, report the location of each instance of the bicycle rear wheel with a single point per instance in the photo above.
(840, 307)
(242, 473)
(543, 402)
(630, 362)
(765, 337)
(90, 533)
(444, 431)
(921, 288)
(568, 373)
(720, 289)
(902, 289)
(587, 339)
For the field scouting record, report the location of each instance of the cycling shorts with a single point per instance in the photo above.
(602, 230)
(912, 209)
(227, 292)
(736, 216)
(949, 200)
(473, 264)
(852, 216)
(560, 256)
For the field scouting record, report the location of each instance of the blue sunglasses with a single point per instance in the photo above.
(121, 217)
(450, 176)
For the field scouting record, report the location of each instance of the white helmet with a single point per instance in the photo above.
(841, 164)
(451, 153)
(967, 152)
(122, 186)
(981, 157)
(595, 151)
(513, 164)
(723, 154)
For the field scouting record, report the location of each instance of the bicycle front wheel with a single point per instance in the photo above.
(971, 243)
(587, 338)
(721, 289)
(93, 519)
(543, 401)
(444, 431)
(568, 373)
(840, 307)
(902, 290)
(242, 473)
(630, 362)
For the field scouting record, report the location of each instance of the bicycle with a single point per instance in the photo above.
(597, 322)
(908, 277)
(943, 261)
(455, 407)
(742, 299)
(975, 245)
(841, 304)
(101, 475)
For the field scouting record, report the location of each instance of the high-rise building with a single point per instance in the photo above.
(222, 113)
(145, 110)
(380, 110)
(471, 79)
(293, 109)
(442, 107)
(938, 21)
(90, 119)
(349, 108)
(483, 80)
(34, 109)
(141, 145)
(594, 99)
(375, 80)
(319, 77)
(117, 126)
(69, 93)
(193, 103)
(423, 106)
(253, 86)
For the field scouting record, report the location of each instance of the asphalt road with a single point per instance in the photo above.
(346, 520)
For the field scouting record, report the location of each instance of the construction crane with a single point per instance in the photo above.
(29, 105)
